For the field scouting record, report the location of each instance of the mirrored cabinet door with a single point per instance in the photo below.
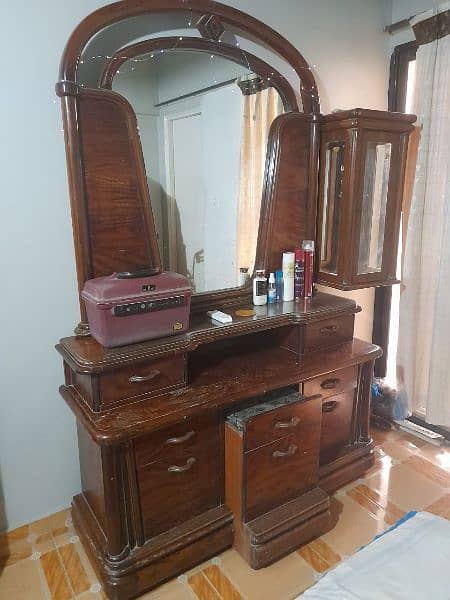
(331, 206)
(373, 207)
(362, 167)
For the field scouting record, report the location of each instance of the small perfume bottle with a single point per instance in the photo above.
(260, 288)
(271, 289)
(279, 285)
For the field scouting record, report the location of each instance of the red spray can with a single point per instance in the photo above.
(308, 249)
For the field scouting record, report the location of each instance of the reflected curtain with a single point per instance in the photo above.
(423, 356)
(260, 109)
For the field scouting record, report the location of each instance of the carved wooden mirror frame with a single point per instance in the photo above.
(104, 154)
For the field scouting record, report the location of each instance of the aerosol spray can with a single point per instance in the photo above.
(308, 249)
(299, 274)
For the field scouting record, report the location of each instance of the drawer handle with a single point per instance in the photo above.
(293, 422)
(289, 452)
(328, 330)
(179, 440)
(141, 378)
(329, 384)
(189, 463)
(329, 406)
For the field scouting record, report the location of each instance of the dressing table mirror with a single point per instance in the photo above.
(203, 124)
(193, 133)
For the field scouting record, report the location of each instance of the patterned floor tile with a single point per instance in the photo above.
(430, 470)
(202, 587)
(284, 579)
(55, 576)
(46, 560)
(440, 507)
(22, 582)
(405, 487)
(379, 506)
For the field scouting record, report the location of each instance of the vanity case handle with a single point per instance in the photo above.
(176, 469)
(141, 378)
(289, 452)
(293, 422)
(145, 272)
(329, 384)
(329, 406)
(328, 330)
(179, 440)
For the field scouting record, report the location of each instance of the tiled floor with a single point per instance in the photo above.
(45, 560)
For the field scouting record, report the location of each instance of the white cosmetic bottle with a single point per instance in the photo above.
(288, 276)
(260, 288)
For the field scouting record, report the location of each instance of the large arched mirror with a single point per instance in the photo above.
(203, 123)
(197, 184)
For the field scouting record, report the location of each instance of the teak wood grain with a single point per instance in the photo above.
(298, 419)
(107, 178)
(165, 484)
(233, 53)
(280, 471)
(354, 130)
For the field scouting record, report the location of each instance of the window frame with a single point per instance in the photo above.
(401, 56)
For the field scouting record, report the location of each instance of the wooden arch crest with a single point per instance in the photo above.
(224, 15)
(232, 53)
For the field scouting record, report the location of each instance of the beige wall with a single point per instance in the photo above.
(38, 450)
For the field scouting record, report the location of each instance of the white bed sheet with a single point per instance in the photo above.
(411, 562)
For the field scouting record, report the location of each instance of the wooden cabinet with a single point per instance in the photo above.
(176, 490)
(166, 483)
(272, 454)
(178, 473)
(145, 378)
(362, 165)
(337, 421)
(338, 404)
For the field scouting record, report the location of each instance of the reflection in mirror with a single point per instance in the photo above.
(373, 210)
(203, 122)
(332, 197)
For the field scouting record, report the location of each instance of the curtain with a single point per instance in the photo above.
(423, 356)
(260, 109)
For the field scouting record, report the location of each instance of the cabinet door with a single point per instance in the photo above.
(280, 471)
(337, 419)
(184, 481)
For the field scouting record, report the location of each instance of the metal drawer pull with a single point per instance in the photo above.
(189, 463)
(329, 406)
(329, 384)
(141, 378)
(179, 440)
(293, 422)
(289, 452)
(328, 330)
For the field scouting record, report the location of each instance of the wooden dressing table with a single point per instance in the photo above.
(228, 434)
(152, 453)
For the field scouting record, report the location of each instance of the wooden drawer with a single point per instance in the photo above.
(278, 472)
(190, 436)
(180, 485)
(336, 432)
(300, 418)
(143, 378)
(332, 383)
(328, 332)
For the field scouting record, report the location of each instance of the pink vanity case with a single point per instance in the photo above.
(125, 308)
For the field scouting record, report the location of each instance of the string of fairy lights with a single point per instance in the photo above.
(130, 63)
